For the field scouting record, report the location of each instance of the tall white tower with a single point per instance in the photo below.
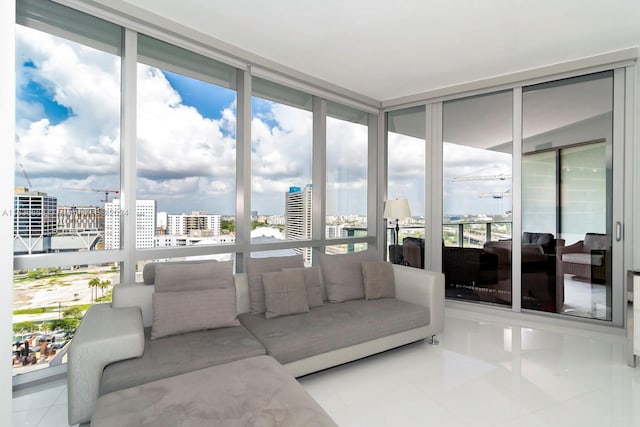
(298, 214)
(145, 223)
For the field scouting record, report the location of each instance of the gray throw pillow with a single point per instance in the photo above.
(285, 293)
(256, 267)
(312, 283)
(379, 281)
(187, 311)
(343, 275)
(190, 276)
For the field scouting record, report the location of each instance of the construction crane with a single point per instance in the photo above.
(475, 176)
(24, 172)
(497, 195)
(106, 192)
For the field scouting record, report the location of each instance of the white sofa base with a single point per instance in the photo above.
(343, 355)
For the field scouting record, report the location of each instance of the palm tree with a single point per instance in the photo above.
(103, 285)
(94, 284)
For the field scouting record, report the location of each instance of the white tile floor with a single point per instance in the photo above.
(484, 372)
(42, 406)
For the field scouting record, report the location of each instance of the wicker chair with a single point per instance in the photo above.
(586, 259)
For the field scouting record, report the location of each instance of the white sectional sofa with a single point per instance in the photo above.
(114, 347)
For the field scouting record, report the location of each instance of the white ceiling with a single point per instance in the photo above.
(388, 49)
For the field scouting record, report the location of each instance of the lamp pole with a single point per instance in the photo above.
(397, 231)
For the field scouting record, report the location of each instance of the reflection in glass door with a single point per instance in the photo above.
(406, 174)
(477, 204)
(567, 196)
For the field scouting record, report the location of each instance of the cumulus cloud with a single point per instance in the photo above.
(175, 142)
(185, 161)
(281, 150)
(180, 153)
(347, 157)
(79, 79)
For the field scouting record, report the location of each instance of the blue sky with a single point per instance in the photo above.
(210, 100)
(36, 93)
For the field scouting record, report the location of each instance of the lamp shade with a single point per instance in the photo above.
(396, 209)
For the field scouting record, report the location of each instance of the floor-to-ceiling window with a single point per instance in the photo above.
(126, 158)
(406, 169)
(567, 196)
(347, 154)
(67, 166)
(477, 203)
(186, 149)
(281, 166)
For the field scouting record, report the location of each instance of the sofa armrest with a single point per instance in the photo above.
(135, 295)
(105, 335)
(422, 287)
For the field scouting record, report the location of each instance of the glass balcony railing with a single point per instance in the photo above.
(475, 234)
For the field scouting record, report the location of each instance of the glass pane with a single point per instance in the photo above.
(477, 159)
(67, 144)
(281, 161)
(347, 157)
(539, 192)
(346, 248)
(406, 169)
(48, 304)
(567, 194)
(186, 154)
(285, 252)
(67, 165)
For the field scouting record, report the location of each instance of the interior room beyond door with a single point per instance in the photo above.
(567, 196)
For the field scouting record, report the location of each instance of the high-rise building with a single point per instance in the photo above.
(185, 224)
(34, 220)
(73, 219)
(298, 215)
(145, 223)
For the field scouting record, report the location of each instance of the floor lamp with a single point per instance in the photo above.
(396, 209)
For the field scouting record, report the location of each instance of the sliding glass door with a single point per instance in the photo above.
(569, 201)
(477, 198)
(567, 196)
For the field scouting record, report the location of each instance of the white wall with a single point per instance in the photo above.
(636, 173)
(7, 139)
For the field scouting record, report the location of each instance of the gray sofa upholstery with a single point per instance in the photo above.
(326, 336)
(250, 392)
(333, 326)
(179, 354)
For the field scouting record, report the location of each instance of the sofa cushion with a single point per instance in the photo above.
(313, 284)
(378, 280)
(343, 275)
(178, 354)
(192, 276)
(252, 392)
(285, 293)
(333, 326)
(256, 267)
(187, 311)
